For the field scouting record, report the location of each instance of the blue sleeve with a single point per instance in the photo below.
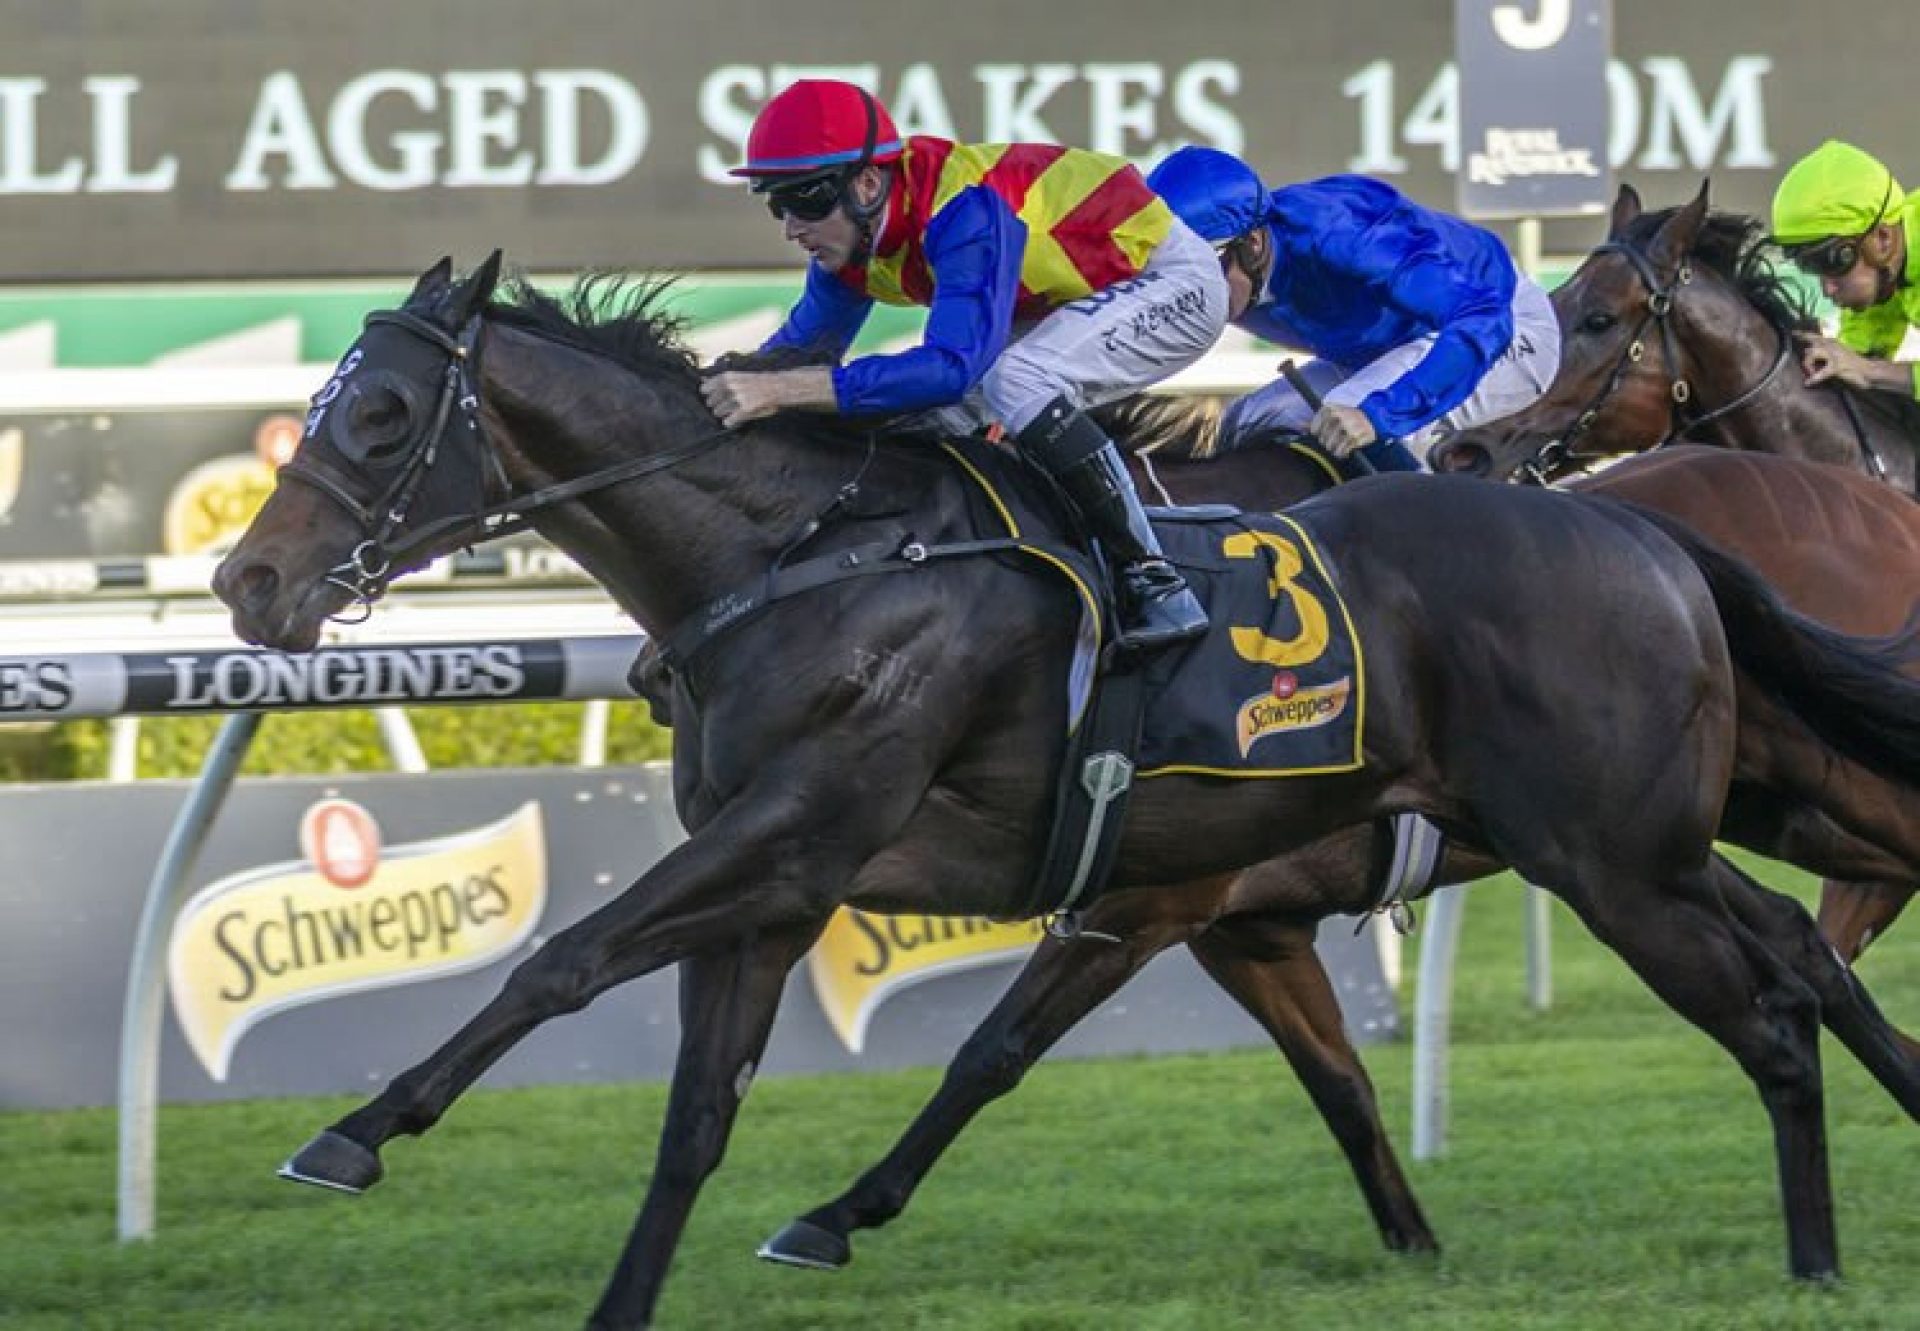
(1475, 323)
(827, 318)
(974, 246)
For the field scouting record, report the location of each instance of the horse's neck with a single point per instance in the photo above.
(1788, 418)
(664, 544)
(1819, 425)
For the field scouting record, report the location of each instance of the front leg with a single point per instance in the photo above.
(727, 1003)
(762, 863)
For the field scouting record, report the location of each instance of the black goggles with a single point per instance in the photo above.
(811, 201)
(1836, 256)
(1829, 258)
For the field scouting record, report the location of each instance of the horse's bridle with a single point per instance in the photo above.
(1555, 454)
(365, 573)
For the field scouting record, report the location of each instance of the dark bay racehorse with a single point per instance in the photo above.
(1589, 744)
(1828, 539)
(1679, 327)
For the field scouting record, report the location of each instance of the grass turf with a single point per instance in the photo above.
(1609, 1168)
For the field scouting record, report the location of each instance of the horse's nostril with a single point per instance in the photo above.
(252, 586)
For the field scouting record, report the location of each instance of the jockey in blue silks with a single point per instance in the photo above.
(1421, 323)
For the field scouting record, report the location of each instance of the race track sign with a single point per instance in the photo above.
(1533, 106)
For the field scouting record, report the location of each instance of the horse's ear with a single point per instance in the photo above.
(433, 281)
(475, 290)
(1626, 207)
(1677, 235)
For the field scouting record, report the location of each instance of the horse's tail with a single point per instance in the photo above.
(1849, 691)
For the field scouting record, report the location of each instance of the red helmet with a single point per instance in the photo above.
(817, 127)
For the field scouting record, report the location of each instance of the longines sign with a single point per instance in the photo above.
(177, 140)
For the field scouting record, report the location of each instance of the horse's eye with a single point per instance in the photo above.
(1598, 322)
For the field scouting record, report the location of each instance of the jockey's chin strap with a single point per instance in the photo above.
(1557, 455)
(366, 572)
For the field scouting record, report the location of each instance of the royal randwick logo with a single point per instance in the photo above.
(350, 916)
(862, 958)
(1288, 706)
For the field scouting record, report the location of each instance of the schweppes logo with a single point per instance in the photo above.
(350, 916)
(862, 958)
(1287, 706)
(214, 503)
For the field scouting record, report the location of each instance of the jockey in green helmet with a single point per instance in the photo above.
(1842, 217)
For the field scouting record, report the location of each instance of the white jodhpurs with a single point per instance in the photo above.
(1107, 345)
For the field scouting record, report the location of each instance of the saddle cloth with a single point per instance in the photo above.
(1275, 687)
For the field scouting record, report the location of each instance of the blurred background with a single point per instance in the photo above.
(199, 200)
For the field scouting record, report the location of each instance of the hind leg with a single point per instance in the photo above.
(1060, 984)
(1270, 967)
(1679, 938)
(1852, 915)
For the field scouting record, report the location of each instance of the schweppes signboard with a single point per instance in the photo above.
(862, 958)
(349, 916)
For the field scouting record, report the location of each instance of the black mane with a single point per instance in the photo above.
(615, 315)
(1734, 246)
(622, 317)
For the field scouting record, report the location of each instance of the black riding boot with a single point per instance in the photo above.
(1156, 607)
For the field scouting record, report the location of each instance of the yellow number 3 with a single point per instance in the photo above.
(1311, 640)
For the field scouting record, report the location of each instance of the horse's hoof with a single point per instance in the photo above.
(334, 1161)
(803, 1243)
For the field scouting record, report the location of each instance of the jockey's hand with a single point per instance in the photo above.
(1342, 430)
(739, 396)
(1824, 359)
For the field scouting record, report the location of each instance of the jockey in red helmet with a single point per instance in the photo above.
(1055, 280)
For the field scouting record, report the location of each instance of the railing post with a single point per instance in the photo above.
(146, 1004)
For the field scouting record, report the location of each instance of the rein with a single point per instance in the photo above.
(1556, 454)
(365, 573)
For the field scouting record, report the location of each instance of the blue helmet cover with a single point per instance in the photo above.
(1214, 192)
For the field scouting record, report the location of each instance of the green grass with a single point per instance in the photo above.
(1609, 1169)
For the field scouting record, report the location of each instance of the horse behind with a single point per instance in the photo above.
(1679, 329)
(1589, 744)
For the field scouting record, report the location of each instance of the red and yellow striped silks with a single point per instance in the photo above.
(1091, 220)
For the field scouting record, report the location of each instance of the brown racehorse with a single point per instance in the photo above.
(1590, 744)
(1679, 327)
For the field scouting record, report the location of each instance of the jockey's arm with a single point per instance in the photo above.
(973, 250)
(1876, 335)
(974, 246)
(1475, 325)
(827, 317)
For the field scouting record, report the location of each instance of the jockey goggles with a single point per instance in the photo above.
(1836, 256)
(809, 201)
(1833, 258)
